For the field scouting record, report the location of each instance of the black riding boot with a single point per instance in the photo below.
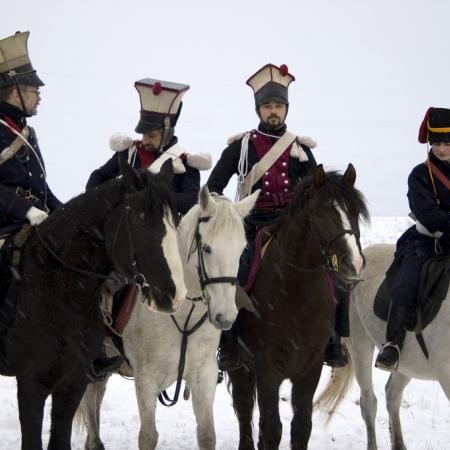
(103, 365)
(228, 356)
(335, 355)
(389, 355)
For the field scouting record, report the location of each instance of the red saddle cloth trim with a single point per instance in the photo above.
(256, 263)
(126, 308)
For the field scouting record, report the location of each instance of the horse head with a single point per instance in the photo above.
(141, 237)
(334, 208)
(213, 238)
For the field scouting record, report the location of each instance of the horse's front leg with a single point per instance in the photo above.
(202, 384)
(146, 394)
(268, 387)
(31, 397)
(394, 393)
(243, 391)
(90, 411)
(65, 400)
(304, 386)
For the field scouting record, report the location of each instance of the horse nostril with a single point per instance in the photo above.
(219, 318)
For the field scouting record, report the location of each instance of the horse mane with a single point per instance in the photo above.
(89, 209)
(225, 217)
(350, 199)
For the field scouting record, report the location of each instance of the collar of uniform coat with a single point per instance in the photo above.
(14, 113)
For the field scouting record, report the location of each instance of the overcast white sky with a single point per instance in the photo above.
(366, 71)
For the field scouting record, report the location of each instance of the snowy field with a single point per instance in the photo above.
(425, 410)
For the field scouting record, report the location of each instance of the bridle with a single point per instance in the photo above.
(137, 277)
(205, 280)
(330, 263)
(203, 277)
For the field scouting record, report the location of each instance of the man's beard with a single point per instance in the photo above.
(274, 125)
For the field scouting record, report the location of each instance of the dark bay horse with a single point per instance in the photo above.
(127, 226)
(316, 241)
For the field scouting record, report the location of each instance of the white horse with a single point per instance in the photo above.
(211, 240)
(368, 331)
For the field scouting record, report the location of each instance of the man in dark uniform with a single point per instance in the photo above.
(289, 160)
(429, 200)
(160, 109)
(24, 193)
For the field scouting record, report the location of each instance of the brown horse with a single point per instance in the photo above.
(315, 246)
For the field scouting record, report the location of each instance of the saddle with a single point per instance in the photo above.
(434, 284)
(255, 255)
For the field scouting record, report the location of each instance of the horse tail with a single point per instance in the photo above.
(336, 389)
(78, 423)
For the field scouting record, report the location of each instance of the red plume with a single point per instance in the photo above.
(157, 88)
(423, 130)
(284, 70)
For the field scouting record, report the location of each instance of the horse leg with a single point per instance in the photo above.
(394, 393)
(31, 397)
(90, 410)
(268, 387)
(303, 389)
(146, 394)
(65, 400)
(361, 350)
(203, 388)
(243, 392)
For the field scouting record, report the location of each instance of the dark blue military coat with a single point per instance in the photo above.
(277, 183)
(185, 185)
(414, 248)
(25, 170)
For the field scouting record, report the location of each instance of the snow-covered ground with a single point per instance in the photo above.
(425, 410)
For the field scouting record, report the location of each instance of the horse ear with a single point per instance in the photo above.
(206, 202)
(350, 175)
(130, 176)
(167, 170)
(247, 204)
(319, 176)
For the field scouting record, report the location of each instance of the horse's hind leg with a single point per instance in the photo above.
(303, 388)
(361, 351)
(394, 393)
(243, 391)
(146, 394)
(90, 410)
(31, 397)
(203, 387)
(65, 401)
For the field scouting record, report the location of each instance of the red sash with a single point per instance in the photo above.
(439, 175)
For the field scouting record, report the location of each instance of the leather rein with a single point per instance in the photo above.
(137, 276)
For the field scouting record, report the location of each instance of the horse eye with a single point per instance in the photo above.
(207, 249)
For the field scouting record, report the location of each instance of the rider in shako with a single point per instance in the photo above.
(24, 194)
(160, 109)
(429, 200)
(289, 159)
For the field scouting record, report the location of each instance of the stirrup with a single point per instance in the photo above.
(381, 365)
